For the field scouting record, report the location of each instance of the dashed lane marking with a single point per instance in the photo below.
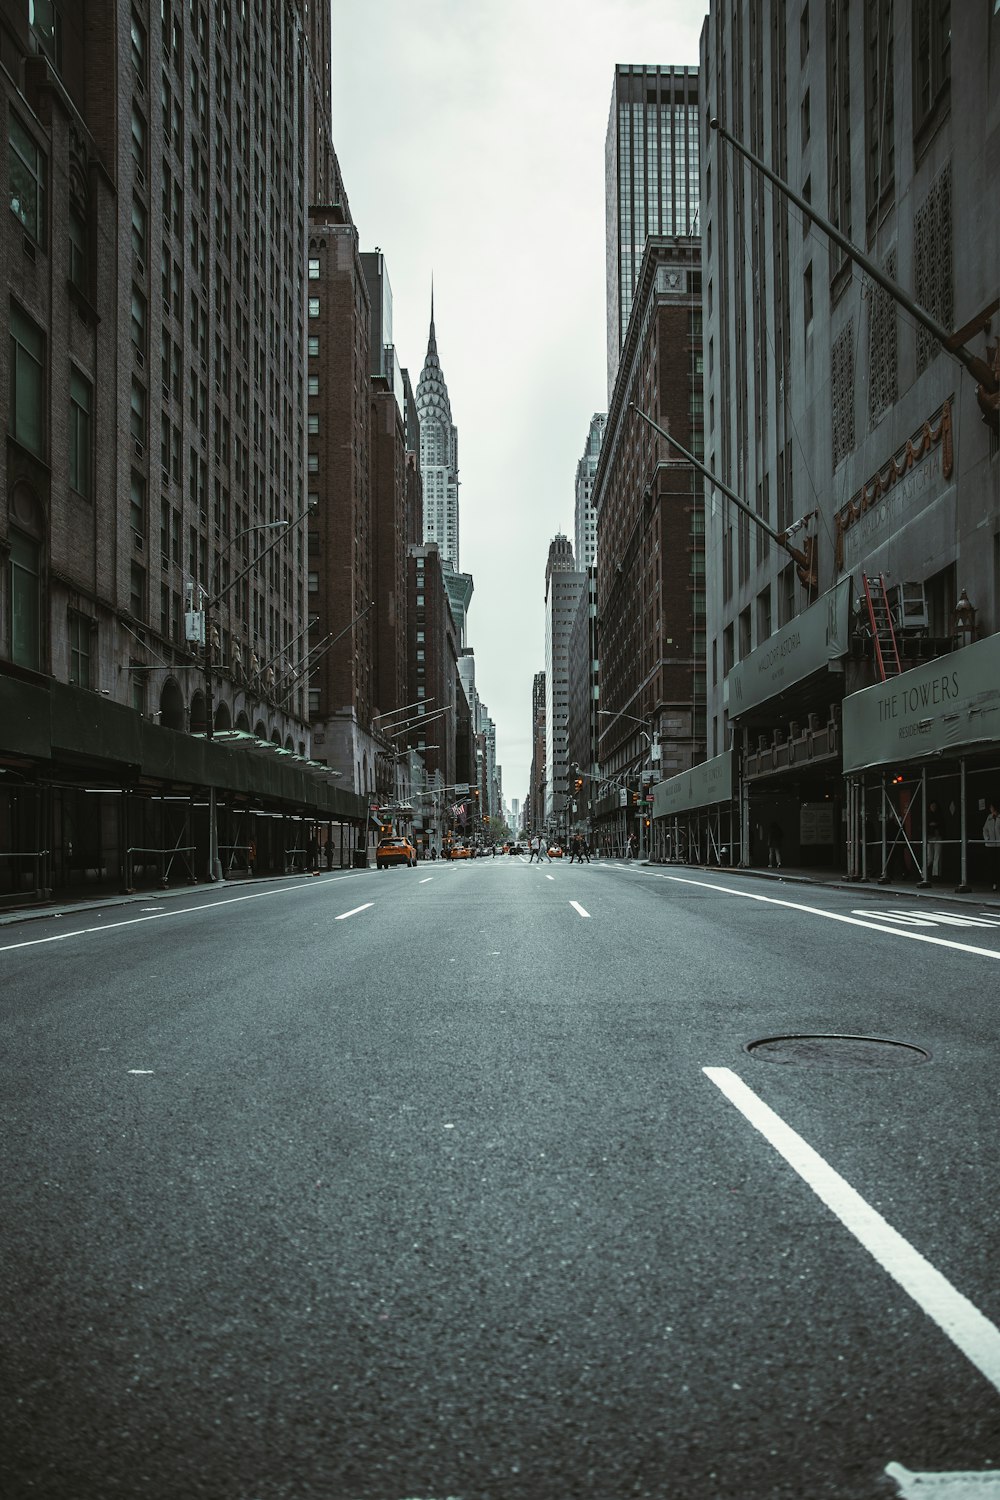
(577, 907)
(354, 911)
(955, 1315)
(426, 879)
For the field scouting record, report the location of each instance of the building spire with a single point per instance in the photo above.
(432, 340)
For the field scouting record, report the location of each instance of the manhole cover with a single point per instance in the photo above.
(837, 1051)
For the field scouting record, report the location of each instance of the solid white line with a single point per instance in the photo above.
(955, 1315)
(180, 911)
(577, 907)
(355, 911)
(836, 916)
(980, 1484)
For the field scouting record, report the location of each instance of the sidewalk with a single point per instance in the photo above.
(834, 880)
(147, 897)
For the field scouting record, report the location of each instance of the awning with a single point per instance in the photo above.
(942, 707)
(807, 644)
(702, 786)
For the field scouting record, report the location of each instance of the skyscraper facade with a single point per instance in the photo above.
(585, 516)
(438, 454)
(563, 587)
(651, 178)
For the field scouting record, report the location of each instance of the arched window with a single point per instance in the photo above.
(172, 705)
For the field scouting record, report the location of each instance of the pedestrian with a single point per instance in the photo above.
(584, 851)
(533, 845)
(251, 857)
(632, 845)
(991, 838)
(774, 838)
(434, 853)
(574, 849)
(935, 840)
(312, 853)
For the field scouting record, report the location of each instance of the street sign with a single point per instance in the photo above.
(461, 788)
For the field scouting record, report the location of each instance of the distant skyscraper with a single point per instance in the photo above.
(586, 518)
(651, 178)
(563, 587)
(438, 454)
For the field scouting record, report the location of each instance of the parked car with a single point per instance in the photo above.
(395, 851)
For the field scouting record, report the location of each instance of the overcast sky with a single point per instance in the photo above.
(471, 138)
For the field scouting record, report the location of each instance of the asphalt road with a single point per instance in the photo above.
(460, 1182)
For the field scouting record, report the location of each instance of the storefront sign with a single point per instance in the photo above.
(805, 645)
(702, 786)
(944, 705)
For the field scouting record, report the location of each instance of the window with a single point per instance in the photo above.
(313, 384)
(931, 57)
(313, 703)
(79, 649)
(27, 374)
(807, 296)
(137, 503)
(138, 138)
(27, 170)
(46, 22)
(313, 346)
(313, 269)
(805, 118)
(78, 249)
(137, 591)
(314, 583)
(138, 320)
(138, 47)
(25, 601)
(137, 417)
(312, 422)
(139, 228)
(312, 463)
(80, 406)
(313, 309)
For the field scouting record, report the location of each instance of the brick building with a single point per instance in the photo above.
(650, 525)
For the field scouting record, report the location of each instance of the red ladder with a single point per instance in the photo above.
(883, 634)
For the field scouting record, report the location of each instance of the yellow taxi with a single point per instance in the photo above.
(395, 850)
(461, 851)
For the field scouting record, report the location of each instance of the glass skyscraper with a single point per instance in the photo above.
(651, 178)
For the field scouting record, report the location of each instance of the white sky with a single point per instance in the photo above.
(471, 138)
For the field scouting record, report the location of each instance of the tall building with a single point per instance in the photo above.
(651, 178)
(438, 454)
(160, 166)
(534, 804)
(585, 517)
(833, 408)
(563, 587)
(650, 538)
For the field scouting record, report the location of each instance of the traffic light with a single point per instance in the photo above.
(635, 799)
(578, 785)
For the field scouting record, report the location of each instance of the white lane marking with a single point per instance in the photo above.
(354, 911)
(577, 907)
(955, 1315)
(957, 1485)
(906, 919)
(180, 911)
(426, 879)
(835, 916)
(550, 877)
(142, 1072)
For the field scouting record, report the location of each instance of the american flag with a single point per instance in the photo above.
(458, 809)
